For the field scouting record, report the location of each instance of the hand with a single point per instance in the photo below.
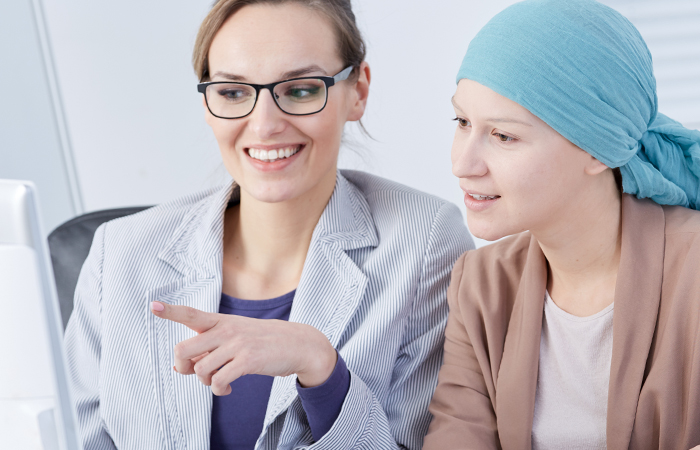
(229, 346)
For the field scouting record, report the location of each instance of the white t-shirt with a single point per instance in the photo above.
(572, 385)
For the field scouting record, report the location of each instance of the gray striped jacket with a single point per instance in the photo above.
(374, 282)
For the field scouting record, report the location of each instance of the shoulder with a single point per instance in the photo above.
(682, 247)
(398, 202)
(391, 193)
(682, 238)
(491, 274)
(402, 215)
(684, 221)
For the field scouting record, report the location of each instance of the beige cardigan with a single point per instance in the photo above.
(486, 390)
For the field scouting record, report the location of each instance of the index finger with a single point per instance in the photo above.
(192, 318)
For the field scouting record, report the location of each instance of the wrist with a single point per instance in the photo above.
(320, 364)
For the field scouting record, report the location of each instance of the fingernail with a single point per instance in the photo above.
(175, 369)
(155, 306)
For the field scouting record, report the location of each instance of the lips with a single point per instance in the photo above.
(479, 201)
(273, 155)
(479, 197)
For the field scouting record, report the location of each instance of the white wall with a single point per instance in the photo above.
(32, 139)
(136, 121)
(135, 117)
(415, 49)
(671, 29)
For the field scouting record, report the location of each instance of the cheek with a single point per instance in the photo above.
(457, 147)
(531, 177)
(226, 132)
(525, 185)
(325, 130)
(538, 191)
(465, 161)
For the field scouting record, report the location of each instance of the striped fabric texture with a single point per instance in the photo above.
(374, 282)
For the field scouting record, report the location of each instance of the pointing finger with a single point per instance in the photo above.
(192, 318)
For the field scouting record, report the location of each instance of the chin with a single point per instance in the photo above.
(272, 196)
(489, 231)
(270, 191)
(488, 236)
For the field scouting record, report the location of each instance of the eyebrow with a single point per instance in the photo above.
(497, 119)
(285, 76)
(508, 120)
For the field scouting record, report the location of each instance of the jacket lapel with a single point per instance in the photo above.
(331, 285)
(196, 252)
(637, 298)
(517, 377)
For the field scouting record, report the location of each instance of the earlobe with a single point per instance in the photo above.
(595, 167)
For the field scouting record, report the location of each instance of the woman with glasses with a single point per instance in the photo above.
(298, 306)
(584, 331)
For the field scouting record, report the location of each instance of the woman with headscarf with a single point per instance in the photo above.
(582, 330)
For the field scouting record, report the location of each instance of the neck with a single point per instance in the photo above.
(583, 254)
(265, 244)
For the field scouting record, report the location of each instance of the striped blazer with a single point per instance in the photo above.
(374, 282)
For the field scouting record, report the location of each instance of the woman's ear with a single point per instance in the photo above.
(595, 167)
(360, 93)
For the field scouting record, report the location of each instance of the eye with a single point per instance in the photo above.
(302, 92)
(463, 123)
(233, 94)
(503, 138)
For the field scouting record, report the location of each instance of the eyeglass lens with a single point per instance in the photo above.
(232, 100)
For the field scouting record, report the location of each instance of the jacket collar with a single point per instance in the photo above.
(517, 376)
(637, 298)
(197, 243)
(347, 221)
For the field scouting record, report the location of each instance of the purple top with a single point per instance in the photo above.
(237, 419)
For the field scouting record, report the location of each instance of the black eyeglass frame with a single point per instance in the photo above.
(328, 81)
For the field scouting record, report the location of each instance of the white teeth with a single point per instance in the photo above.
(483, 197)
(273, 155)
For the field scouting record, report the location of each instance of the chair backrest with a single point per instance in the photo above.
(69, 245)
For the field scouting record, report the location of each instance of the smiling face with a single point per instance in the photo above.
(273, 156)
(517, 173)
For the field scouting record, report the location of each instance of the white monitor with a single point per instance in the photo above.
(36, 411)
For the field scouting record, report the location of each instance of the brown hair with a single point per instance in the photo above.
(351, 46)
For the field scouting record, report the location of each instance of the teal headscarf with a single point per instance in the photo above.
(585, 70)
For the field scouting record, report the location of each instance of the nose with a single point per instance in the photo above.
(468, 156)
(267, 119)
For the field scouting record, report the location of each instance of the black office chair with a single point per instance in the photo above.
(69, 245)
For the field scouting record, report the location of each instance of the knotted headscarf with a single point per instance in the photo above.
(585, 70)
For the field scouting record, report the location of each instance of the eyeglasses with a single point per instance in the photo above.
(298, 96)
